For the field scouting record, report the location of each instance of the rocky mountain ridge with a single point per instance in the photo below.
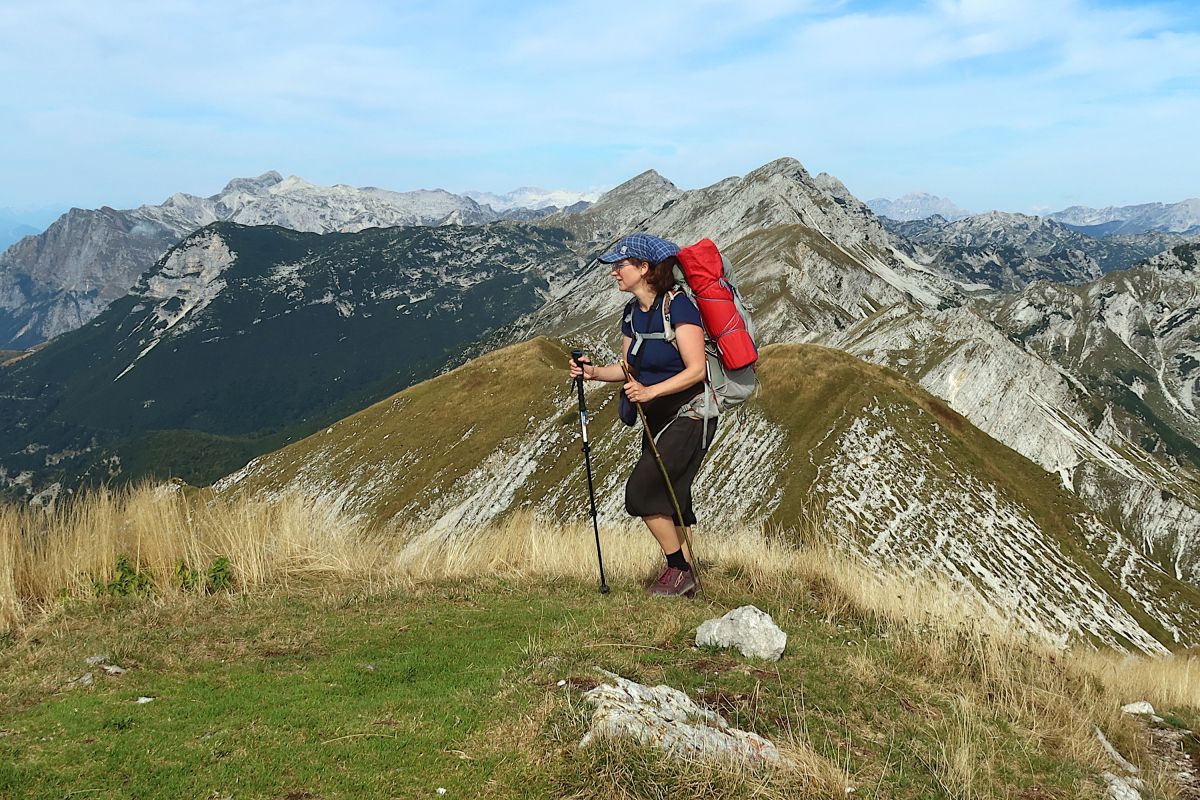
(1131, 340)
(999, 251)
(1055, 397)
(243, 337)
(62, 278)
(791, 235)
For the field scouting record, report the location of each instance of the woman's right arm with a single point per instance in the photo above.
(610, 373)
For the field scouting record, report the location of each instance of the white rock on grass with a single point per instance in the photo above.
(1140, 707)
(1122, 788)
(668, 719)
(749, 629)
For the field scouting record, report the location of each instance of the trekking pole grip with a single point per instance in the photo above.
(575, 356)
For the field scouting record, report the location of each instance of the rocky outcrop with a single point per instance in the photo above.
(666, 718)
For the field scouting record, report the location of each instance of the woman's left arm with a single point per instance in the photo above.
(690, 340)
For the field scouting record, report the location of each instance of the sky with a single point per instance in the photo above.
(1020, 105)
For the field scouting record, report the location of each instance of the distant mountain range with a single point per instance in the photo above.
(62, 278)
(1002, 251)
(1175, 218)
(533, 198)
(1182, 217)
(916, 205)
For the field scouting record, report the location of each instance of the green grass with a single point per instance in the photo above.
(331, 692)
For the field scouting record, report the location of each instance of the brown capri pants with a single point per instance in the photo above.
(682, 451)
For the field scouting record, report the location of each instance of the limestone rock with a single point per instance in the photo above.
(749, 629)
(1121, 788)
(668, 719)
(1140, 707)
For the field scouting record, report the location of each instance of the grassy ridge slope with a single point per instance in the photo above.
(886, 468)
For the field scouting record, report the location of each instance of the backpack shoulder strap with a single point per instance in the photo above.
(638, 337)
(669, 329)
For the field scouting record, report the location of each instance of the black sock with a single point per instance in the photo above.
(677, 561)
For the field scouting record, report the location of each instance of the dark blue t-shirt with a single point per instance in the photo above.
(659, 358)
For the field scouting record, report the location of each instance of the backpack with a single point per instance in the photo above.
(729, 348)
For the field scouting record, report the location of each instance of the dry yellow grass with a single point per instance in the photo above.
(46, 555)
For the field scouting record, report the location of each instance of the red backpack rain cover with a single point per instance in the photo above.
(705, 274)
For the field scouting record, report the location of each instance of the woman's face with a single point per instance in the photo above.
(629, 273)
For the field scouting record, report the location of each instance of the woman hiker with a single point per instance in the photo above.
(666, 377)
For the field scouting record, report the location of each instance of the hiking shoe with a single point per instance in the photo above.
(673, 582)
(652, 582)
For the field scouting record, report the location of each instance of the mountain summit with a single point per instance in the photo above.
(916, 205)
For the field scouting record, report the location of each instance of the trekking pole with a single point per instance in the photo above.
(687, 538)
(587, 462)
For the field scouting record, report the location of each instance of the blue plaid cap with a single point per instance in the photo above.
(642, 246)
